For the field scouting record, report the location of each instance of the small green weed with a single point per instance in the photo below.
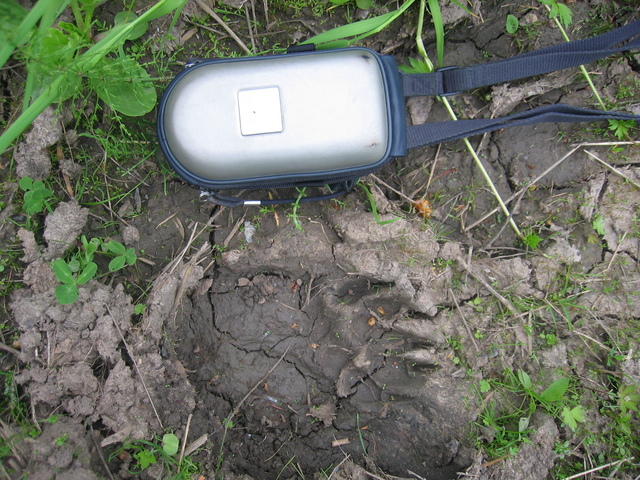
(416, 66)
(60, 58)
(559, 10)
(620, 128)
(81, 268)
(68, 292)
(360, 435)
(61, 440)
(531, 239)
(123, 256)
(164, 450)
(295, 207)
(374, 209)
(549, 338)
(628, 399)
(598, 224)
(362, 4)
(509, 422)
(11, 401)
(37, 196)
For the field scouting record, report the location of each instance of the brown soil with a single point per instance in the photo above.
(347, 346)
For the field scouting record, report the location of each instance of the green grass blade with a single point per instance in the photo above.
(351, 29)
(458, 4)
(12, 15)
(359, 29)
(47, 20)
(438, 23)
(49, 96)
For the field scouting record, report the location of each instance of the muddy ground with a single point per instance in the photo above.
(332, 342)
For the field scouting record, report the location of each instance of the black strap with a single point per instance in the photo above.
(452, 80)
(438, 132)
(229, 201)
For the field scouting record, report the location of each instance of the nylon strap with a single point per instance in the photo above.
(229, 201)
(438, 132)
(452, 80)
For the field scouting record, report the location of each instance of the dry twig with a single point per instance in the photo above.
(235, 411)
(184, 440)
(135, 364)
(597, 469)
(222, 23)
(612, 168)
(522, 190)
(464, 320)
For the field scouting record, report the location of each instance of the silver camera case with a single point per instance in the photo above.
(284, 119)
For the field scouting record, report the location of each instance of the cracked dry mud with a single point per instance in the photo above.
(367, 315)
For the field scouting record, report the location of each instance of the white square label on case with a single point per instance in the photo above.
(260, 111)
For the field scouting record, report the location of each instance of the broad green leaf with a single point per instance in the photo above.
(117, 263)
(116, 247)
(512, 24)
(139, 29)
(555, 391)
(170, 444)
(124, 85)
(26, 183)
(91, 3)
(525, 379)
(131, 256)
(72, 30)
(87, 274)
(66, 293)
(74, 265)
(63, 272)
(364, 4)
(118, 34)
(532, 240)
